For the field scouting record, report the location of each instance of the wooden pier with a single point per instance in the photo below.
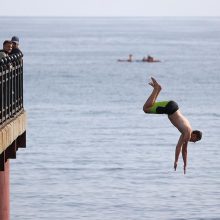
(12, 123)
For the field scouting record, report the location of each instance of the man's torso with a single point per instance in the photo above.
(180, 122)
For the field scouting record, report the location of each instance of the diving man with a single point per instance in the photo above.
(176, 118)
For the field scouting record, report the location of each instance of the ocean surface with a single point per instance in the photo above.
(92, 153)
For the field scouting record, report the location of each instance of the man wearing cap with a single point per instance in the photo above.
(7, 48)
(15, 44)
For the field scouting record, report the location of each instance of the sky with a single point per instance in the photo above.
(110, 8)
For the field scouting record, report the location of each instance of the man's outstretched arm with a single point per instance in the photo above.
(182, 144)
(178, 149)
(184, 155)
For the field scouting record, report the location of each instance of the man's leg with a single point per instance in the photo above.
(152, 98)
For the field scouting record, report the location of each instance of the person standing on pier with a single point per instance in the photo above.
(7, 48)
(15, 45)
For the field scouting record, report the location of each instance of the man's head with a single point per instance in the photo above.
(15, 41)
(196, 136)
(7, 46)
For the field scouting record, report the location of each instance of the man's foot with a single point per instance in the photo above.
(155, 84)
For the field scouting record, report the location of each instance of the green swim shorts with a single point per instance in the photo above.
(165, 107)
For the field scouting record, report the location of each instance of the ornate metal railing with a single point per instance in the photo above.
(11, 86)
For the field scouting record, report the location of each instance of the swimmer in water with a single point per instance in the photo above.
(176, 118)
(149, 59)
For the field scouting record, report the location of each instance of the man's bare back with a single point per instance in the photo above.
(180, 122)
(176, 118)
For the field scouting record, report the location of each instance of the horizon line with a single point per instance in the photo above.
(114, 16)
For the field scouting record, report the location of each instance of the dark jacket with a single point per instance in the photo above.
(16, 50)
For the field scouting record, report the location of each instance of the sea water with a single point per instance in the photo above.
(92, 153)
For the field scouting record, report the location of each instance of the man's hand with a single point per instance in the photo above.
(175, 165)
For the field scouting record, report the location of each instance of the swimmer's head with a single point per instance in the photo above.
(196, 136)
